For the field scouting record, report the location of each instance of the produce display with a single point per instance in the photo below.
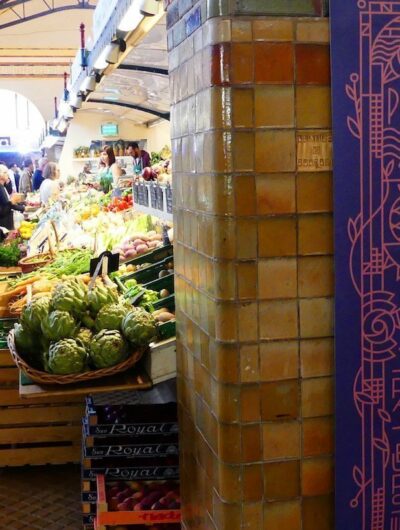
(137, 496)
(137, 244)
(66, 325)
(10, 253)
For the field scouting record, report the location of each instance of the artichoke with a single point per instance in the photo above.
(70, 296)
(66, 356)
(139, 327)
(87, 321)
(100, 296)
(59, 325)
(111, 317)
(24, 340)
(34, 313)
(85, 335)
(108, 348)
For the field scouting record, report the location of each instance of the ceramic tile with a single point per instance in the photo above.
(316, 31)
(229, 478)
(229, 447)
(246, 234)
(275, 151)
(252, 516)
(282, 515)
(243, 151)
(243, 107)
(224, 286)
(220, 64)
(249, 363)
(223, 238)
(314, 192)
(225, 514)
(313, 106)
(317, 397)
(279, 361)
(317, 476)
(225, 359)
(317, 358)
(312, 64)
(242, 31)
(250, 396)
(274, 106)
(247, 279)
(277, 237)
(273, 63)
(316, 276)
(248, 321)
(273, 30)
(245, 192)
(276, 194)
(280, 7)
(318, 436)
(225, 322)
(315, 234)
(277, 278)
(281, 440)
(222, 195)
(318, 513)
(282, 480)
(316, 317)
(279, 400)
(253, 484)
(278, 319)
(242, 63)
(251, 443)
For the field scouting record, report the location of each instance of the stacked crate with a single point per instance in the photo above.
(128, 436)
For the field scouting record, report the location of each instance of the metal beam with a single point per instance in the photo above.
(164, 115)
(139, 68)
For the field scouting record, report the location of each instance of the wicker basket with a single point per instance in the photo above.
(51, 379)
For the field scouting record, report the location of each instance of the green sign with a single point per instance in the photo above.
(109, 129)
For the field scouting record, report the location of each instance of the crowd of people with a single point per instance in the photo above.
(16, 183)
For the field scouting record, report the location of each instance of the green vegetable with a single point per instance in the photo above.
(100, 296)
(130, 283)
(24, 340)
(59, 325)
(70, 296)
(85, 335)
(67, 357)
(10, 254)
(111, 316)
(148, 299)
(108, 348)
(34, 313)
(139, 327)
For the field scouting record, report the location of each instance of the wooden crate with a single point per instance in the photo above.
(39, 432)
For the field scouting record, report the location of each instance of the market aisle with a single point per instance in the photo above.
(38, 498)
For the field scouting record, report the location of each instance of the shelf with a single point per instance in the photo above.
(164, 216)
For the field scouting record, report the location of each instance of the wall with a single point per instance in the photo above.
(85, 127)
(253, 264)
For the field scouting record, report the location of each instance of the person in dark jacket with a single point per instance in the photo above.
(141, 158)
(38, 174)
(7, 203)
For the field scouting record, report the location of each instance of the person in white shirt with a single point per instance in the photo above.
(50, 187)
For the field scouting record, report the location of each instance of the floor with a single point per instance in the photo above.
(40, 498)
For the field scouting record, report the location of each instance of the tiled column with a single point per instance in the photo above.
(253, 261)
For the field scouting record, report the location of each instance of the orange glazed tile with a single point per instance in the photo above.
(225, 322)
(317, 397)
(276, 194)
(317, 476)
(279, 360)
(313, 106)
(316, 317)
(282, 480)
(241, 31)
(277, 278)
(316, 276)
(223, 238)
(315, 234)
(273, 63)
(220, 63)
(318, 436)
(251, 443)
(282, 515)
(225, 362)
(243, 151)
(230, 483)
(242, 107)
(250, 403)
(245, 188)
(318, 513)
(274, 106)
(278, 319)
(273, 30)
(281, 440)
(225, 515)
(275, 151)
(280, 400)
(252, 516)
(249, 363)
(229, 447)
(242, 63)
(316, 31)
(226, 401)
(316, 357)
(253, 484)
(314, 192)
(313, 64)
(225, 281)
(248, 321)
(277, 237)
(222, 195)
(246, 238)
(247, 279)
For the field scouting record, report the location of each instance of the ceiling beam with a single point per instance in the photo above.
(164, 115)
(147, 69)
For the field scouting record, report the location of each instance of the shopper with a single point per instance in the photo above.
(38, 174)
(15, 171)
(141, 158)
(25, 185)
(7, 204)
(50, 187)
(110, 175)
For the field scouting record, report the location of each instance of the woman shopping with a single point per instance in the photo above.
(110, 175)
(8, 204)
(50, 187)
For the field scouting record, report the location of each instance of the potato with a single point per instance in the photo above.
(164, 293)
(142, 248)
(164, 317)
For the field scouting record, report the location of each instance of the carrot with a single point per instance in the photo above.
(15, 292)
(28, 281)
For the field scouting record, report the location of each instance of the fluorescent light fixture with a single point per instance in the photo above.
(148, 8)
(101, 63)
(132, 18)
(76, 101)
(89, 84)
